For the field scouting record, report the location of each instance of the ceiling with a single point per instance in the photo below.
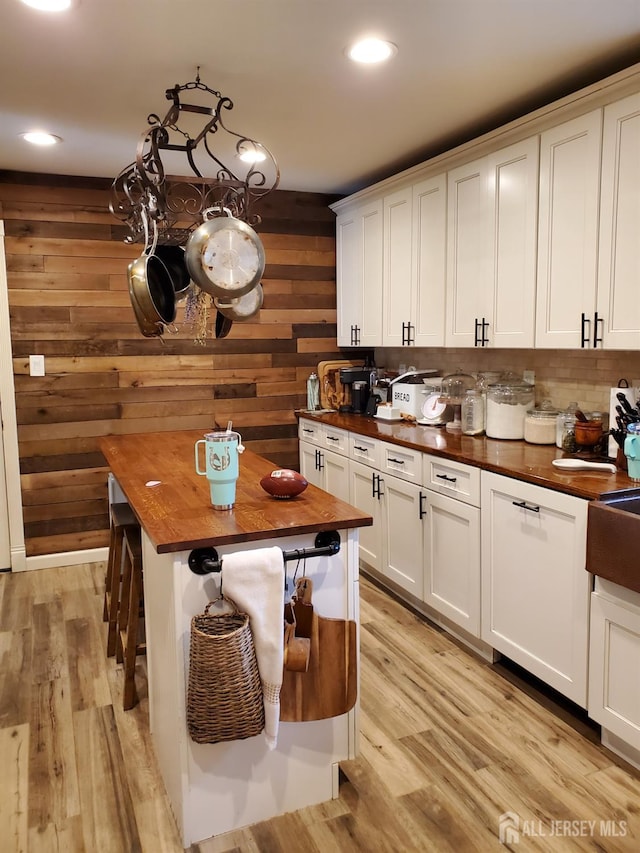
(463, 67)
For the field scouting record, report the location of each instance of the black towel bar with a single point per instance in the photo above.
(204, 561)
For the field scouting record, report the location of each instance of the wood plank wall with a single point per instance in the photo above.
(68, 299)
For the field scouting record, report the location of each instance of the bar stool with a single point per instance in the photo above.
(122, 519)
(131, 639)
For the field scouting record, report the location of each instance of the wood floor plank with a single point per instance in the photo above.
(15, 666)
(107, 810)
(61, 837)
(53, 778)
(86, 664)
(14, 787)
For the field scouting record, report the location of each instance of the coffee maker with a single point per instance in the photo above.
(357, 384)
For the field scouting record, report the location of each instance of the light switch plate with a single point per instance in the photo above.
(36, 365)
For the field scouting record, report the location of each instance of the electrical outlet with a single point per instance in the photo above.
(36, 365)
(529, 376)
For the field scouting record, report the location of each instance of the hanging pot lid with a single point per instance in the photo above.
(225, 257)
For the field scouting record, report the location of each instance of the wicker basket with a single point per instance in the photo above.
(224, 697)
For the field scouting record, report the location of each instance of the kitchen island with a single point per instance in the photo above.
(214, 788)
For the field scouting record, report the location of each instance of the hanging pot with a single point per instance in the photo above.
(151, 289)
(244, 308)
(223, 325)
(173, 259)
(225, 256)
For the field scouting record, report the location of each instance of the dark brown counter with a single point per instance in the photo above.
(518, 459)
(177, 514)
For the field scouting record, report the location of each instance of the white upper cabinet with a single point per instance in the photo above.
(568, 233)
(618, 295)
(397, 284)
(428, 262)
(359, 275)
(492, 249)
(414, 264)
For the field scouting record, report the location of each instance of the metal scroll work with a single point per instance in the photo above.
(227, 170)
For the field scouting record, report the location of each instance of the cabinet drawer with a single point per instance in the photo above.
(311, 431)
(366, 450)
(401, 462)
(452, 478)
(335, 439)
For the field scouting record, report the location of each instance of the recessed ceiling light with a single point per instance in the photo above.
(49, 5)
(40, 137)
(371, 50)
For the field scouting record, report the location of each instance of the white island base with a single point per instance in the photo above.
(215, 788)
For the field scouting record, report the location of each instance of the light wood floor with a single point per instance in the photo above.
(448, 745)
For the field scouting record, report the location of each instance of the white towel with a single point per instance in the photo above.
(254, 580)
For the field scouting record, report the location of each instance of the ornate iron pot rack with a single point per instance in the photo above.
(177, 204)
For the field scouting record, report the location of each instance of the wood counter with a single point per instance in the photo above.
(177, 514)
(518, 459)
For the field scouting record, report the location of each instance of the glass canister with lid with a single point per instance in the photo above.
(540, 424)
(508, 402)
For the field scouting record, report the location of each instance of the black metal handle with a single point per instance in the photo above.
(332, 438)
(319, 460)
(596, 319)
(421, 506)
(405, 334)
(397, 461)
(306, 429)
(525, 505)
(484, 341)
(448, 479)
(353, 335)
(376, 480)
(361, 449)
(584, 338)
(357, 340)
(476, 342)
(204, 561)
(410, 334)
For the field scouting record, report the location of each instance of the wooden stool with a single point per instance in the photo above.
(122, 519)
(131, 640)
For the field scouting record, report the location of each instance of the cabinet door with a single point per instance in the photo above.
(619, 248)
(403, 531)
(535, 590)
(359, 275)
(348, 276)
(568, 232)
(452, 560)
(428, 268)
(512, 175)
(336, 475)
(309, 464)
(363, 494)
(614, 660)
(467, 271)
(396, 287)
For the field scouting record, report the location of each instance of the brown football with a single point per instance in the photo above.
(284, 483)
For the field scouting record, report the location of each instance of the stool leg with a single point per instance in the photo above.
(123, 610)
(114, 592)
(130, 696)
(107, 579)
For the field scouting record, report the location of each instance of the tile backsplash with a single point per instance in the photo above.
(562, 376)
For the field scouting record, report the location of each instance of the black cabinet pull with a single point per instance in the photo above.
(448, 479)
(525, 505)
(332, 438)
(357, 340)
(361, 449)
(596, 319)
(485, 341)
(319, 460)
(306, 429)
(405, 335)
(584, 338)
(376, 480)
(410, 334)
(476, 341)
(397, 461)
(422, 511)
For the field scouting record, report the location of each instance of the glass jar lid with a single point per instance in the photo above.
(542, 413)
(455, 386)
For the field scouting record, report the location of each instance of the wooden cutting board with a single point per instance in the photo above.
(330, 685)
(333, 393)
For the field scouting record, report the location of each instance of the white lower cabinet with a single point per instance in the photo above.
(403, 534)
(535, 590)
(325, 469)
(614, 661)
(452, 560)
(364, 482)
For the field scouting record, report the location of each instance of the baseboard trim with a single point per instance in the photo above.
(66, 558)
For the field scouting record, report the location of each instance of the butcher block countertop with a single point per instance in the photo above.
(177, 514)
(518, 459)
